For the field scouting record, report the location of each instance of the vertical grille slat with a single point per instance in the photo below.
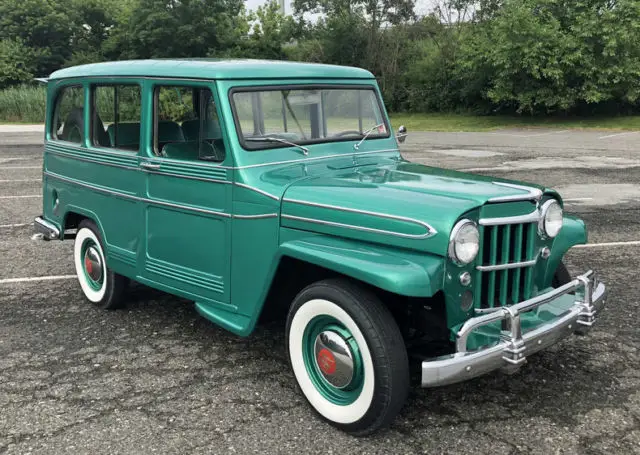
(505, 254)
(530, 253)
(517, 247)
(506, 244)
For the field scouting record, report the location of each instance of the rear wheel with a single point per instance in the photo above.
(101, 286)
(347, 355)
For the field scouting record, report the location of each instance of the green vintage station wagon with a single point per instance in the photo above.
(251, 186)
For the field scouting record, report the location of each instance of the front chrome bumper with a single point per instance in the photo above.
(511, 352)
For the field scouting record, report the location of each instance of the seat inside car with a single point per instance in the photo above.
(191, 130)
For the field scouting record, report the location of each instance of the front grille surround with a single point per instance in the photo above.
(505, 274)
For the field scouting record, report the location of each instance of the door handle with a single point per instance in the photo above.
(150, 166)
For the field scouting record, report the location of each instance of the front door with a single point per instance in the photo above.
(187, 196)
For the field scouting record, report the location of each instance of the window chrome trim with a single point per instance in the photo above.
(533, 193)
(430, 230)
(304, 86)
(532, 217)
(511, 265)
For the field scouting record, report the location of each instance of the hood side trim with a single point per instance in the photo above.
(533, 194)
(430, 229)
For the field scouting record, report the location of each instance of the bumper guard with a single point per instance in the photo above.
(511, 352)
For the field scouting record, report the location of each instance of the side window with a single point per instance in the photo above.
(186, 125)
(116, 116)
(68, 118)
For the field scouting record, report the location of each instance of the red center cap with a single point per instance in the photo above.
(326, 361)
(88, 265)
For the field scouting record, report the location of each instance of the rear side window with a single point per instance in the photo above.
(68, 119)
(116, 116)
(186, 125)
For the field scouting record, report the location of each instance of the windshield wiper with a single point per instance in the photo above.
(305, 151)
(366, 135)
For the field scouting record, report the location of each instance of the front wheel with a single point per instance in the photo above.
(347, 355)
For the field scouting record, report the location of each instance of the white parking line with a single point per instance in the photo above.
(15, 225)
(531, 135)
(20, 180)
(618, 134)
(596, 245)
(23, 196)
(577, 199)
(37, 278)
(20, 167)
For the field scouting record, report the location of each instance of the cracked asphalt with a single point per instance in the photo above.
(157, 378)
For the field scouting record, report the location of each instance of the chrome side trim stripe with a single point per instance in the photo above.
(89, 160)
(248, 166)
(255, 217)
(257, 190)
(430, 230)
(351, 226)
(156, 202)
(532, 193)
(511, 265)
(532, 217)
(190, 177)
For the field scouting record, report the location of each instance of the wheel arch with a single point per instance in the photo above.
(74, 215)
(389, 273)
(573, 232)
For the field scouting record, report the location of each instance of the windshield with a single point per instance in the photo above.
(307, 115)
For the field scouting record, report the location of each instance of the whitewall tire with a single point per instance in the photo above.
(100, 285)
(347, 355)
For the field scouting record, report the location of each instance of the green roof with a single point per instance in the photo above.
(214, 69)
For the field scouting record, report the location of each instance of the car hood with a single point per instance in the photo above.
(403, 204)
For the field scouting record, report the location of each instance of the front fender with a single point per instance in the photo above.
(573, 232)
(399, 271)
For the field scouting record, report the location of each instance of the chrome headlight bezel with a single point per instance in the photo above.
(458, 230)
(544, 225)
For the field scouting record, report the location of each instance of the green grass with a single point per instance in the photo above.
(22, 104)
(461, 122)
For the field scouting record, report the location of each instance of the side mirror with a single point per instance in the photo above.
(402, 134)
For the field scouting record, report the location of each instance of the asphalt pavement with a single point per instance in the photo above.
(157, 378)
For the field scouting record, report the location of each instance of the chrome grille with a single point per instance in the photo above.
(505, 275)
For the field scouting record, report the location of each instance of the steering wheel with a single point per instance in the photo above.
(348, 133)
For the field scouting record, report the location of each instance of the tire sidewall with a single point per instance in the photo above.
(390, 372)
(87, 234)
(342, 414)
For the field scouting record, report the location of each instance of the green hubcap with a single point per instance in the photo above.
(92, 264)
(333, 360)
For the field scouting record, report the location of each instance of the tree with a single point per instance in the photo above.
(180, 28)
(17, 63)
(44, 26)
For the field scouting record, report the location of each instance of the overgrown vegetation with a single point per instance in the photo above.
(498, 57)
(22, 104)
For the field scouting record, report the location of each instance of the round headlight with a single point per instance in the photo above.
(464, 242)
(550, 218)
